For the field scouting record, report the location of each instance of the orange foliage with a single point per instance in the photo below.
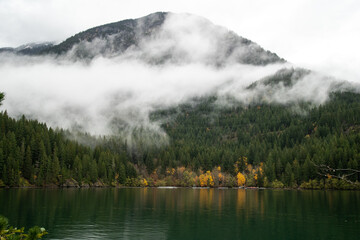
(261, 170)
(220, 176)
(206, 180)
(180, 171)
(170, 171)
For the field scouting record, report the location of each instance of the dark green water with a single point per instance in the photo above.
(185, 213)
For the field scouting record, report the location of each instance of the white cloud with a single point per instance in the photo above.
(126, 88)
(92, 96)
(319, 34)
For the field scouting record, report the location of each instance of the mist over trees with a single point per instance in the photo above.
(32, 153)
(260, 145)
(181, 102)
(2, 95)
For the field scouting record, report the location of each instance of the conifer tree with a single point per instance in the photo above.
(2, 163)
(77, 168)
(93, 171)
(55, 166)
(122, 173)
(28, 167)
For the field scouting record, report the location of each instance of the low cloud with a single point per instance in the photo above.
(115, 94)
(90, 97)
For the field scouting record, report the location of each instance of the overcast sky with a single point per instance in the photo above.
(318, 34)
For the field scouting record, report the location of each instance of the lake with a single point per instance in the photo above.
(185, 213)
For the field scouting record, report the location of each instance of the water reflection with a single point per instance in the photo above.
(147, 213)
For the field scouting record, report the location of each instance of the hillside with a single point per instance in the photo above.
(269, 144)
(291, 128)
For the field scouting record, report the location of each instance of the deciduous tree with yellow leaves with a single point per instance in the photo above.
(240, 179)
(206, 180)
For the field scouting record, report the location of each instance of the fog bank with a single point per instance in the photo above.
(114, 94)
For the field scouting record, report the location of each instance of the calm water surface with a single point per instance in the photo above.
(140, 213)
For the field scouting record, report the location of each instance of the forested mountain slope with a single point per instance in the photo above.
(267, 143)
(253, 120)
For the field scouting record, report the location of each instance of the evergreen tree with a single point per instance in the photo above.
(77, 168)
(122, 173)
(2, 163)
(296, 171)
(149, 163)
(55, 167)
(307, 169)
(2, 96)
(93, 171)
(289, 176)
(270, 170)
(28, 165)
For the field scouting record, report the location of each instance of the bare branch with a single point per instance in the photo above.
(339, 173)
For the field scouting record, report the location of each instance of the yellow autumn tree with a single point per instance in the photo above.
(170, 171)
(210, 179)
(240, 179)
(202, 180)
(258, 172)
(144, 183)
(206, 180)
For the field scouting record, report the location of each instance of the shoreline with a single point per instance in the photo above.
(173, 187)
(72, 183)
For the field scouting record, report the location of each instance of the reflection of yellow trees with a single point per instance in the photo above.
(206, 197)
(220, 201)
(211, 196)
(241, 196)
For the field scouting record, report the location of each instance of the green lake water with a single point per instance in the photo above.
(185, 213)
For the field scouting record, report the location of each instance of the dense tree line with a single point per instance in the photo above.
(210, 145)
(290, 141)
(31, 151)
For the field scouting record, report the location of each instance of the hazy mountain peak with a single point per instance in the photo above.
(29, 48)
(158, 38)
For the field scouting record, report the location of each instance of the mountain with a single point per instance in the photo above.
(29, 49)
(136, 37)
(118, 36)
(291, 128)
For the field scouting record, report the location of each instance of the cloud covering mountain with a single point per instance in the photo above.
(108, 79)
